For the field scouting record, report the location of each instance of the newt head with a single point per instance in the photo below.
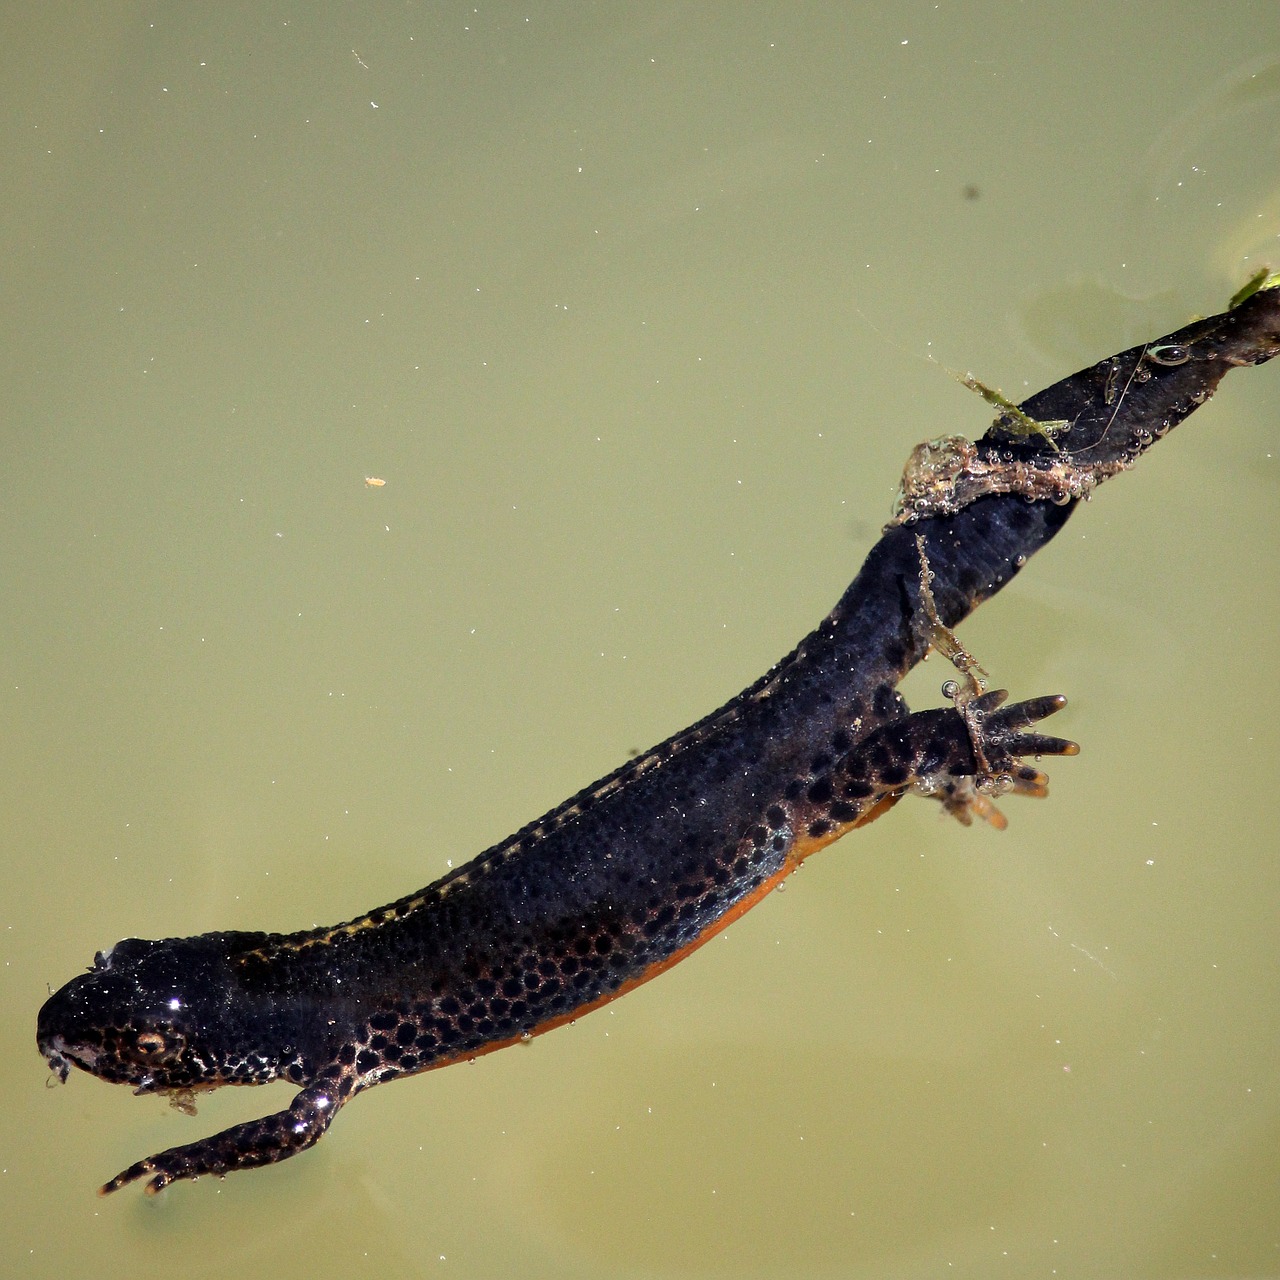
(153, 1015)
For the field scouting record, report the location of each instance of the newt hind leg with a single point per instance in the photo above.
(973, 795)
(962, 756)
(961, 798)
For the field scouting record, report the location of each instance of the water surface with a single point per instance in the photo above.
(637, 310)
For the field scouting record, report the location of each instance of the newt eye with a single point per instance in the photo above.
(149, 1043)
(1169, 353)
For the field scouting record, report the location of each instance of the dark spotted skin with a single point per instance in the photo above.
(630, 875)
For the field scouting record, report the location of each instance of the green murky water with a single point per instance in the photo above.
(631, 307)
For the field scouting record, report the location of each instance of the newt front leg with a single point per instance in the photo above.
(243, 1146)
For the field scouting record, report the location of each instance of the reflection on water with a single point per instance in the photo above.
(1208, 179)
(1070, 322)
(1230, 128)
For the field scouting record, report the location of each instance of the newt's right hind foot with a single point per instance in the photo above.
(998, 743)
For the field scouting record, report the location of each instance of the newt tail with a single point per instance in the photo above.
(632, 874)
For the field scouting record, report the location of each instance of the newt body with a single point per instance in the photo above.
(630, 875)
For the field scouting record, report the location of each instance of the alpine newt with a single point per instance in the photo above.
(627, 877)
